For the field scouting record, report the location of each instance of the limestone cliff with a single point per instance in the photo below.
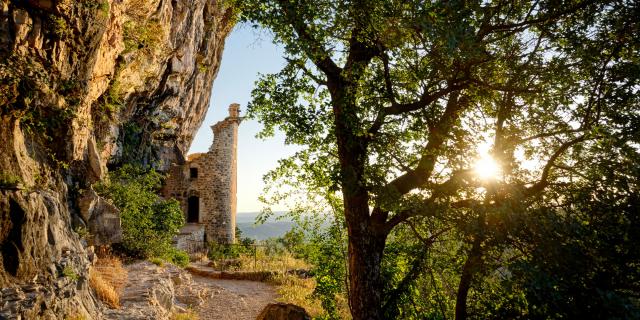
(85, 85)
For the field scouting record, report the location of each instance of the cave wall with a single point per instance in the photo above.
(87, 85)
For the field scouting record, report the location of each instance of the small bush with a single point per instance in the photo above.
(142, 35)
(8, 180)
(179, 258)
(175, 256)
(70, 273)
(157, 261)
(225, 251)
(148, 222)
(60, 27)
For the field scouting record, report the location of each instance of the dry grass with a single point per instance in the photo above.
(108, 278)
(197, 257)
(189, 315)
(277, 263)
(291, 288)
(298, 291)
(138, 9)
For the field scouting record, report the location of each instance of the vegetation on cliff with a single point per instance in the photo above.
(85, 85)
(482, 157)
(149, 223)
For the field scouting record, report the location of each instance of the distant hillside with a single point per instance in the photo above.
(270, 229)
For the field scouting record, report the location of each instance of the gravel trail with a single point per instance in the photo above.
(234, 299)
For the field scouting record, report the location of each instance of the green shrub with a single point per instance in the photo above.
(142, 35)
(226, 251)
(157, 261)
(60, 27)
(148, 222)
(8, 180)
(69, 273)
(178, 257)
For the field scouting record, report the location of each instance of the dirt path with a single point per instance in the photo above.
(234, 299)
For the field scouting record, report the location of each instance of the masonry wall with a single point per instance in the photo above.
(215, 184)
(222, 223)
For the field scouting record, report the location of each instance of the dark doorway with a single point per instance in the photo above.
(193, 173)
(193, 212)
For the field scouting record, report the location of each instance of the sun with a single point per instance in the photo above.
(487, 168)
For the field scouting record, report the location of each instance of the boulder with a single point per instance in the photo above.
(102, 219)
(283, 311)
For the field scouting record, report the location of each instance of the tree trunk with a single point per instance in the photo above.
(366, 240)
(365, 258)
(468, 270)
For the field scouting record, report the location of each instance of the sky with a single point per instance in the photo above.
(247, 54)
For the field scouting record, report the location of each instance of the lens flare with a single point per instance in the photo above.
(487, 168)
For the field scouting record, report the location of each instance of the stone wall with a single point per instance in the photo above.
(215, 184)
(191, 236)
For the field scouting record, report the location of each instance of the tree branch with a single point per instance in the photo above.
(442, 190)
(543, 183)
(306, 71)
(312, 46)
(518, 26)
(430, 152)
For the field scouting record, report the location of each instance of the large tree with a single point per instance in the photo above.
(393, 99)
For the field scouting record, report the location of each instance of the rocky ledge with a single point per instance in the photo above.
(157, 292)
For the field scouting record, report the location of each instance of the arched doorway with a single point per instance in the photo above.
(193, 209)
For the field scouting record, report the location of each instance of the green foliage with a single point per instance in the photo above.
(219, 251)
(102, 6)
(294, 241)
(178, 257)
(82, 232)
(143, 35)
(391, 101)
(201, 64)
(113, 100)
(148, 222)
(70, 273)
(246, 242)
(172, 255)
(582, 258)
(157, 261)
(60, 27)
(329, 267)
(8, 180)
(244, 245)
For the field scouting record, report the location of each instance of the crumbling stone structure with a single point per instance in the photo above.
(205, 186)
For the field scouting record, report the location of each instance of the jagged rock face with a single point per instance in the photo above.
(84, 85)
(161, 83)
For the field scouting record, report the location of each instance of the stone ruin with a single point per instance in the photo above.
(205, 186)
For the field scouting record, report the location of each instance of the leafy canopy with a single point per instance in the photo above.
(393, 101)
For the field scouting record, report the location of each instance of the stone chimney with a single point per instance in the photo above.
(234, 110)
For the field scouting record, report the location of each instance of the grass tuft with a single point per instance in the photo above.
(108, 278)
(157, 261)
(189, 315)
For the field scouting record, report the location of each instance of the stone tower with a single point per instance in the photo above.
(205, 186)
(224, 148)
